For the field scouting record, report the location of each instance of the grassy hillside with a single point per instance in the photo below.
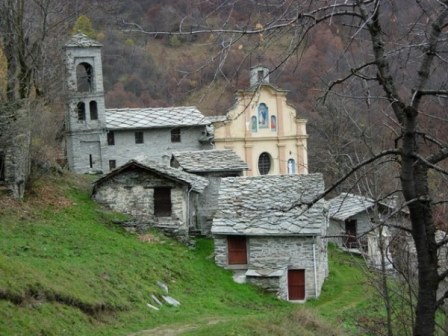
(67, 269)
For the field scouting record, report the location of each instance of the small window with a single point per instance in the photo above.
(81, 110)
(162, 202)
(260, 76)
(2, 167)
(112, 164)
(111, 138)
(90, 160)
(93, 110)
(84, 77)
(175, 135)
(264, 163)
(237, 250)
(139, 137)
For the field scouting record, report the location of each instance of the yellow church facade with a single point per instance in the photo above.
(263, 129)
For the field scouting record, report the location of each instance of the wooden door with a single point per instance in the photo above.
(350, 230)
(296, 284)
(237, 250)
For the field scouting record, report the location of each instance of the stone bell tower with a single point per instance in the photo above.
(85, 120)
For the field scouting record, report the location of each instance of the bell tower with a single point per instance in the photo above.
(85, 120)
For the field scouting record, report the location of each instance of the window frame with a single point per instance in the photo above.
(163, 206)
(84, 77)
(112, 164)
(81, 111)
(176, 135)
(139, 137)
(237, 250)
(260, 76)
(93, 110)
(111, 138)
(264, 167)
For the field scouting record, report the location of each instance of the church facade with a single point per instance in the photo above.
(264, 130)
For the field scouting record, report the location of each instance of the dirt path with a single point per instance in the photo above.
(174, 330)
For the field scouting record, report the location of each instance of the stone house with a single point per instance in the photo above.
(155, 195)
(263, 129)
(266, 228)
(212, 165)
(100, 139)
(354, 220)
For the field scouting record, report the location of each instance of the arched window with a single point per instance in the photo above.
(93, 110)
(253, 124)
(273, 123)
(291, 167)
(81, 110)
(84, 77)
(264, 163)
(263, 116)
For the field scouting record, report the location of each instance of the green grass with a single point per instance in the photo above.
(66, 269)
(75, 272)
(346, 295)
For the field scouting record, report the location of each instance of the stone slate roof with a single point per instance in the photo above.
(219, 118)
(347, 205)
(210, 160)
(154, 117)
(259, 206)
(197, 183)
(82, 40)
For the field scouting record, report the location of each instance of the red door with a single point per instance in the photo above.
(237, 250)
(296, 284)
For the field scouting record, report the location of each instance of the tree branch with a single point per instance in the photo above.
(346, 176)
(437, 157)
(430, 51)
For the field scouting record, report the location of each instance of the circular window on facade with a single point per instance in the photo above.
(264, 163)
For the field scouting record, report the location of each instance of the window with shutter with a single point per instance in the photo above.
(237, 250)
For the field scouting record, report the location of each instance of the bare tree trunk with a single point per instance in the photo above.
(414, 180)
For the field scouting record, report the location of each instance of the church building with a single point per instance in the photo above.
(100, 139)
(264, 130)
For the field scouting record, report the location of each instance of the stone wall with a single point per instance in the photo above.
(132, 193)
(157, 144)
(278, 285)
(208, 201)
(336, 230)
(297, 252)
(220, 243)
(283, 252)
(82, 145)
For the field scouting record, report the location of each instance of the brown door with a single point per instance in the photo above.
(237, 250)
(296, 284)
(350, 231)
